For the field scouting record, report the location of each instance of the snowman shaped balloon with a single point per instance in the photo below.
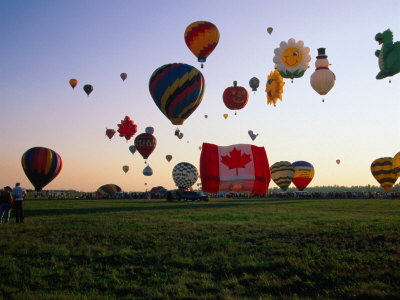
(323, 79)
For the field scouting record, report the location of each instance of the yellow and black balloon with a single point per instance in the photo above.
(384, 172)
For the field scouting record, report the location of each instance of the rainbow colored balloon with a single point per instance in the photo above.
(177, 90)
(41, 165)
(303, 174)
(108, 189)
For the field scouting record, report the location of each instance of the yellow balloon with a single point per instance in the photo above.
(383, 172)
(274, 88)
(225, 116)
(396, 164)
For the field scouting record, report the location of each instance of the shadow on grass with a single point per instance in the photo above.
(168, 206)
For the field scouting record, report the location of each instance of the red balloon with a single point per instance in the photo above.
(145, 144)
(110, 133)
(235, 97)
(127, 128)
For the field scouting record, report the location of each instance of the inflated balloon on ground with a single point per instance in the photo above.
(185, 175)
(282, 174)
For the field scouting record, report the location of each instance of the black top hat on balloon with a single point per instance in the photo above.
(321, 53)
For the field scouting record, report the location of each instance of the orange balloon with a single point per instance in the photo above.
(73, 82)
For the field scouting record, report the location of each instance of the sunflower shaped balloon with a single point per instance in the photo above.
(292, 58)
(274, 88)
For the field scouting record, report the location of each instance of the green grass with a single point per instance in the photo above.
(226, 248)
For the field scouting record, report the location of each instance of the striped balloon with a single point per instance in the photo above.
(201, 37)
(303, 174)
(145, 144)
(108, 189)
(383, 171)
(41, 165)
(282, 173)
(177, 89)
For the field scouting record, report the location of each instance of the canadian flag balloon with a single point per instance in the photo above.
(239, 168)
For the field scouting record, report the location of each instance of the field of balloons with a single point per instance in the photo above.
(178, 89)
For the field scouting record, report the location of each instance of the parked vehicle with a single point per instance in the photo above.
(172, 195)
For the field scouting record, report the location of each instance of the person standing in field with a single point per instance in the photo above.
(19, 195)
(6, 203)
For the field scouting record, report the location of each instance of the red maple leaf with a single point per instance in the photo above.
(236, 160)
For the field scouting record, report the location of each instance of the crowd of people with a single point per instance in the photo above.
(12, 199)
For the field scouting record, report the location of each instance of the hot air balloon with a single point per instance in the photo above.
(338, 161)
(168, 157)
(108, 189)
(383, 171)
(274, 87)
(254, 83)
(396, 164)
(303, 174)
(145, 144)
(292, 59)
(388, 56)
(270, 29)
(206, 116)
(201, 37)
(149, 130)
(184, 175)
(225, 116)
(132, 148)
(127, 128)
(177, 90)
(235, 97)
(110, 133)
(252, 135)
(240, 167)
(125, 169)
(147, 171)
(178, 133)
(323, 79)
(123, 76)
(73, 82)
(282, 173)
(41, 165)
(88, 89)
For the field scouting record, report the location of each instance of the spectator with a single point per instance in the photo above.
(19, 195)
(6, 203)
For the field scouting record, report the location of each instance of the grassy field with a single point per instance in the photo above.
(225, 249)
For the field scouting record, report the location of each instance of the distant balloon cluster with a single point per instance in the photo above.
(283, 173)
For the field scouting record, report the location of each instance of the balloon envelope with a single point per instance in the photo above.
(383, 171)
(225, 116)
(110, 133)
(396, 164)
(132, 148)
(254, 83)
(145, 144)
(125, 168)
(88, 89)
(147, 171)
(149, 130)
(108, 189)
(303, 174)
(41, 165)
(269, 30)
(73, 82)
(185, 175)
(282, 173)
(123, 76)
(127, 128)
(338, 161)
(177, 90)
(201, 37)
(168, 157)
